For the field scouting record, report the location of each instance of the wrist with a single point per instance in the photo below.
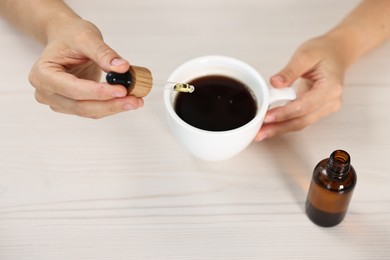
(57, 22)
(347, 44)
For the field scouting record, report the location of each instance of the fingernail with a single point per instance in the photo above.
(118, 94)
(279, 78)
(269, 119)
(261, 137)
(118, 62)
(141, 102)
(277, 81)
(128, 106)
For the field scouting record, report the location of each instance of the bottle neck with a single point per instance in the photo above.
(339, 164)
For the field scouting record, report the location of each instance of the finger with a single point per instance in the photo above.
(89, 108)
(294, 109)
(271, 130)
(98, 109)
(300, 63)
(54, 80)
(315, 97)
(107, 59)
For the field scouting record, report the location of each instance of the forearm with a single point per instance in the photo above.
(38, 18)
(366, 27)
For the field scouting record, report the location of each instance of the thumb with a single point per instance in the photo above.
(106, 58)
(298, 65)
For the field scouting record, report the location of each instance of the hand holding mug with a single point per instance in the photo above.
(320, 67)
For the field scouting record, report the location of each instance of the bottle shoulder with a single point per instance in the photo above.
(324, 178)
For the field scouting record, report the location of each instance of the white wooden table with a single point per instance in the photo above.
(123, 188)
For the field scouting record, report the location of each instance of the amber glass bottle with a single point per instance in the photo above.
(331, 189)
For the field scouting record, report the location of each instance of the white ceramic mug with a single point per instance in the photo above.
(221, 145)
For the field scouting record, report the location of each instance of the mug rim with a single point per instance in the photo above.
(261, 110)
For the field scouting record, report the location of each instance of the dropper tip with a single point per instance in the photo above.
(184, 87)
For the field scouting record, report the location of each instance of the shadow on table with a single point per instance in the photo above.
(293, 168)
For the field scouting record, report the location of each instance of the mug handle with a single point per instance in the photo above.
(281, 96)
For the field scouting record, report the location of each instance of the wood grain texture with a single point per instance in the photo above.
(142, 81)
(123, 188)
